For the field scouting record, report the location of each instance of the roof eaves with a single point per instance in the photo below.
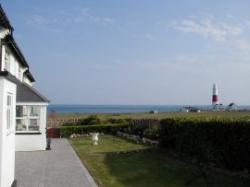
(29, 75)
(12, 44)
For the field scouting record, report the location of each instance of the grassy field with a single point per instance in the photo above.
(116, 162)
(103, 117)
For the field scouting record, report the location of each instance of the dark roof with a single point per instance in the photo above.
(29, 75)
(25, 93)
(4, 20)
(11, 43)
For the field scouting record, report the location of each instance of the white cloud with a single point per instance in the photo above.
(208, 28)
(232, 30)
(232, 35)
(97, 19)
(70, 17)
(40, 20)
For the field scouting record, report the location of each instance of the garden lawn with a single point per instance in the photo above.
(116, 162)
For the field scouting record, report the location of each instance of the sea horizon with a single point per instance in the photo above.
(122, 108)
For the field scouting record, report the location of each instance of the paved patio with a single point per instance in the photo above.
(59, 167)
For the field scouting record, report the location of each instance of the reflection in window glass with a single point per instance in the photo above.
(21, 111)
(34, 110)
(21, 125)
(33, 125)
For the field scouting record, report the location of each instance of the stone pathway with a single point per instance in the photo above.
(59, 167)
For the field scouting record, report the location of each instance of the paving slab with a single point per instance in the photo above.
(59, 167)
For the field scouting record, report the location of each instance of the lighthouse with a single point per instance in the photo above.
(215, 97)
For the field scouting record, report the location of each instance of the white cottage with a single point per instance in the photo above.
(23, 110)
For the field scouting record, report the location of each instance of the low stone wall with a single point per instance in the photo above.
(137, 139)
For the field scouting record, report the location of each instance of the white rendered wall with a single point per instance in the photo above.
(30, 142)
(7, 136)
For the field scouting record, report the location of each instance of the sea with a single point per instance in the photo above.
(121, 109)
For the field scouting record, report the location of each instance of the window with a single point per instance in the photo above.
(9, 111)
(7, 60)
(27, 118)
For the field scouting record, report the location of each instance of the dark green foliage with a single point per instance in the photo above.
(96, 120)
(66, 131)
(146, 128)
(117, 121)
(225, 143)
(69, 124)
(91, 120)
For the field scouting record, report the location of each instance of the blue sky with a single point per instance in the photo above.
(136, 52)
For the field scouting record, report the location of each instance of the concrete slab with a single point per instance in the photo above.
(59, 167)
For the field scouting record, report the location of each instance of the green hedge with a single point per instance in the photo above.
(66, 131)
(144, 128)
(223, 142)
(96, 120)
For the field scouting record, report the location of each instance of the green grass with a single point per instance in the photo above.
(162, 115)
(116, 162)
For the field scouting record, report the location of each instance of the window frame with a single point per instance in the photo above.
(27, 117)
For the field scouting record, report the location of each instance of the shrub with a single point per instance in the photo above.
(66, 131)
(152, 132)
(223, 142)
(117, 121)
(145, 128)
(91, 120)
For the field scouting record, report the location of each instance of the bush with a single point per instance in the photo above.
(152, 132)
(66, 131)
(223, 142)
(91, 120)
(145, 128)
(117, 121)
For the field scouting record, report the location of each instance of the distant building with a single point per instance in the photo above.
(191, 109)
(153, 112)
(232, 107)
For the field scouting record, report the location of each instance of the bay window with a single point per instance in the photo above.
(27, 118)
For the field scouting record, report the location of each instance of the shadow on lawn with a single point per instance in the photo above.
(155, 168)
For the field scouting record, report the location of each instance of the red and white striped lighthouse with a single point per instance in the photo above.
(215, 97)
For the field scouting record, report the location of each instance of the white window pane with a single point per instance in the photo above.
(34, 111)
(21, 111)
(21, 125)
(33, 125)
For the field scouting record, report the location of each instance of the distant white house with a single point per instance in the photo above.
(22, 108)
